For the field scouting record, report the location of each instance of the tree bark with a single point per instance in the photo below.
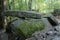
(1, 14)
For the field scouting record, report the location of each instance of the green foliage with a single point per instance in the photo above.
(44, 6)
(17, 4)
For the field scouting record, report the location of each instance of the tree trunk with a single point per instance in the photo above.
(1, 14)
(30, 5)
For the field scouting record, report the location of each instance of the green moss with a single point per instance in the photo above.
(30, 26)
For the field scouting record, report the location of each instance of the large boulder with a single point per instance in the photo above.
(27, 27)
(51, 19)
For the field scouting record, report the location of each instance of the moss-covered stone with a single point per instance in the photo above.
(28, 27)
